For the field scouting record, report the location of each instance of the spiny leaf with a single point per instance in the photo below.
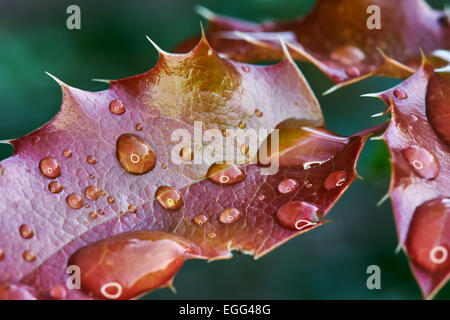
(417, 138)
(97, 187)
(335, 37)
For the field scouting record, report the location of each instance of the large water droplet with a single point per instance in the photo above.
(55, 187)
(28, 256)
(134, 154)
(225, 174)
(422, 162)
(348, 55)
(297, 215)
(50, 168)
(400, 94)
(67, 153)
(156, 257)
(288, 186)
(259, 113)
(335, 179)
(75, 201)
(92, 192)
(26, 231)
(91, 160)
(200, 219)
(117, 107)
(169, 198)
(230, 215)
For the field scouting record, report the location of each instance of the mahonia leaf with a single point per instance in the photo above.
(97, 189)
(336, 38)
(419, 144)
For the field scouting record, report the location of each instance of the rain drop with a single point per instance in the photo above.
(117, 107)
(92, 192)
(186, 154)
(225, 174)
(242, 125)
(422, 162)
(75, 201)
(28, 256)
(111, 200)
(91, 160)
(139, 126)
(55, 187)
(67, 153)
(245, 68)
(134, 154)
(2, 254)
(229, 215)
(26, 232)
(288, 186)
(169, 198)
(50, 168)
(258, 113)
(353, 72)
(92, 215)
(335, 179)
(400, 94)
(295, 215)
(200, 219)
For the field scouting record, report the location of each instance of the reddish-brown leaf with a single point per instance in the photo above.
(80, 190)
(417, 138)
(335, 37)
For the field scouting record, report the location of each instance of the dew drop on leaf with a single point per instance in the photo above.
(288, 186)
(26, 231)
(229, 215)
(353, 72)
(92, 214)
(134, 154)
(117, 107)
(50, 168)
(55, 187)
(225, 174)
(92, 192)
(67, 153)
(242, 125)
(28, 256)
(400, 94)
(335, 179)
(2, 254)
(422, 162)
(139, 126)
(245, 68)
(200, 219)
(258, 113)
(169, 198)
(58, 292)
(91, 160)
(186, 154)
(294, 215)
(111, 200)
(75, 201)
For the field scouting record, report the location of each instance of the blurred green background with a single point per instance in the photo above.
(327, 263)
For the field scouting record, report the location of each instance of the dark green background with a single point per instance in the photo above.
(327, 263)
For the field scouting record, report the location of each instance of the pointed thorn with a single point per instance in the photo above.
(102, 80)
(204, 12)
(422, 54)
(332, 89)
(383, 199)
(284, 48)
(382, 53)
(202, 30)
(6, 142)
(377, 138)
(379, 114)
(245, 36)
(398, 248)
(370, 95)
(160, 51)
(56, 79)
(359, 177)
(172, 287)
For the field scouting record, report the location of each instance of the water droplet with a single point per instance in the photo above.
(186, 154)
(261, 197)
(348, 55)
(211, 235)
(311, 164)
(156, 256)
(117, 107)
(100, 212)
(400, 94)
(295, 215)
(92, 215)
(335, 179)
(258, 113)
(163, 166)
(288, 186)
(91, 160)
(2, 254)
(353, 72)
(200, 219)
(87, 205)
(139, 126)
(55, 187)
(58, 292)
(414, 118)
(91, 176)
(111, 200)
(75, 201)
(422, 162)
(28, 256)
(308, 185)
(132, 209)
(229, 215)
(26, 231)
(92, 192)
(169, 198)
(50, 168)
(242, 125)
(134, 154)
(225, 174)
(245, 68)
(224, 132)
(67, 153)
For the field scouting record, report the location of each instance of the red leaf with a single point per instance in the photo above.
(80, 189)
(417, 138)
(335, 37)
